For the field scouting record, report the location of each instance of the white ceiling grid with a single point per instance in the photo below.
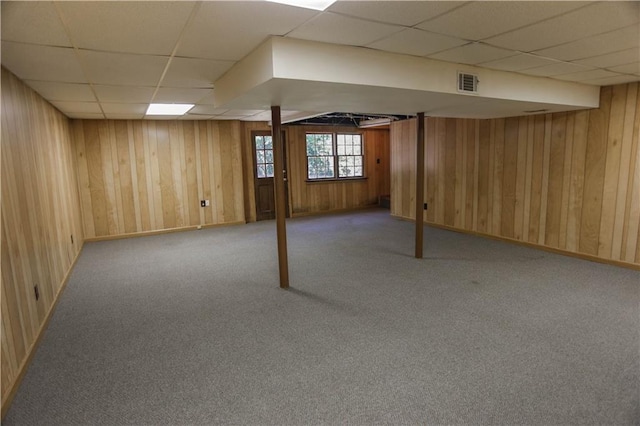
(110, 59)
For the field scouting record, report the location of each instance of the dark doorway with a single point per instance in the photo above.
(262, 143)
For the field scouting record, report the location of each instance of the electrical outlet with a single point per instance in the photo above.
(203, 203)
(36, 291)
(425, 206)
(206, 203)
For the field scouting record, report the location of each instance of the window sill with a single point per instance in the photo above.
(334, 180)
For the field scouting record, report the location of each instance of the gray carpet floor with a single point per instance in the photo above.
(191, 328)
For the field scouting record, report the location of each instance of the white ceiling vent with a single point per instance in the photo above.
(467, 83)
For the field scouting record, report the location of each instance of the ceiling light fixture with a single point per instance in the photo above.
(168, 109)
(307, 4)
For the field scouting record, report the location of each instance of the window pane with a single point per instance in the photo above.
(261, 171)
(326, 147)
(311, 145)
(259, 142)
(357, 145)
(320, 155)
(269, 156)
(269, 170)
(358, 161)
(328, 170)
(260, 156)
(268, 142)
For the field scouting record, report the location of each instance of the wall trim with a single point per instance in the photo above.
(162, 231)
(582, 256)
(7, 399)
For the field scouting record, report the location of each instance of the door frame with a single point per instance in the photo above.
(255, 133)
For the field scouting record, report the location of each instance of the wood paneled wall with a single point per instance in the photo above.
(314, 197)
(139, 176)
(569, 181)
(318, 197)
(41, 221)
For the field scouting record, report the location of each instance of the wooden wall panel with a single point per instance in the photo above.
(567, 181)
(42, 230)
(316, 197)
(139, 176)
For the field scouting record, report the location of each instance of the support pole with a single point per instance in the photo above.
(278, 166)
(420, 186)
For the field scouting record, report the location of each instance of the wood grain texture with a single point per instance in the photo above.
(317, 197)
(565, 181)
(40, 217)
(140, 176)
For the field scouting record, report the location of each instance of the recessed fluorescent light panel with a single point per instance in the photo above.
(168, 109)
(307, 4)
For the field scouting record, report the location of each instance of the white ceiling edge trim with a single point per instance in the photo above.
(284, 59)
(302, 115)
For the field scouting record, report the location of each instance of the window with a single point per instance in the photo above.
(264, 156)
(334, 155)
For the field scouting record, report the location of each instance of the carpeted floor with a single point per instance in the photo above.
(191, 328)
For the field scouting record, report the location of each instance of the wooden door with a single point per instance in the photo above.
(264, 181)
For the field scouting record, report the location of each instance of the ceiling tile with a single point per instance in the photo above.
(601, 44)
(416, 42)
(62, 91)
(119, 69)
(633, 68)
(117, 116)
(242, 112)
(208, 35)
(586, 75)
(180, 95)
(407, 13)
(162, 117)
(473, 53)
(231, 117)
(120, 108)
(86, 115)
(479, 20)
(612, 80)
(556, 69)
(338, 29)
(189, 72)
(72, 107)
(196, 117)
(207, 110)
(44, 63)
(32, 22)
(124, 94)
(609, 60)
(209, 99)
(121, 26)
(265, 116)
(518, 62)
(594, 19)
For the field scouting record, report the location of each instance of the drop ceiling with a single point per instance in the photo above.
(98, 59)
